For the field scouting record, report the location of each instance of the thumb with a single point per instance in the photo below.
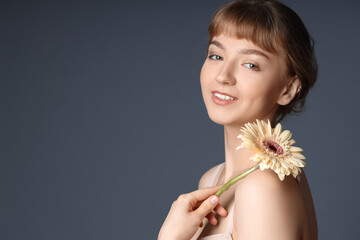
(207, 206)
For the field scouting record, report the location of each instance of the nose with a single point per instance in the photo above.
(225, 74)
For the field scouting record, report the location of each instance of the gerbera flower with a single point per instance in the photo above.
(273, 148)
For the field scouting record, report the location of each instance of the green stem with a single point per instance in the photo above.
(235, 179)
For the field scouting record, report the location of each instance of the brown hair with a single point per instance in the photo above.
(277, 29)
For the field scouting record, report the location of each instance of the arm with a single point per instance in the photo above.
(265, 208)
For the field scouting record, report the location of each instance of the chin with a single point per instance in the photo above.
(222, 119)
(233, 118)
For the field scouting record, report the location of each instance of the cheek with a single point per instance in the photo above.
(205, 76)
(260, 93)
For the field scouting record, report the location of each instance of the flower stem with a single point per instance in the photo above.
(235, 179)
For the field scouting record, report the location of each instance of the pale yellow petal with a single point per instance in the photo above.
(241, 146)
(241, 136)
(277, 130)
(281, 176)
(277, 164)
(298, 155)
(272, 164)
(300, 163)
(296, 162)
(296, 149)
(250, 146)
(266, 158)
(256, 158)
(252, 133)
(285, 135)
(263, 123)
(268, 128)
(285, 164)
(291, 142)
(277, 170)
(295, 171)
(252, 130)
(260, 127)
(249, 137)
(262, 166)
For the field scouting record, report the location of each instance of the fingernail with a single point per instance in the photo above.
(214, 200)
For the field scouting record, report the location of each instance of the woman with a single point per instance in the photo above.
(260, 65)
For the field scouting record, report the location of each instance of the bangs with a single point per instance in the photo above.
(258, 25)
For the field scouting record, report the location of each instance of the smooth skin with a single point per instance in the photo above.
(264, 206)
(187, 213)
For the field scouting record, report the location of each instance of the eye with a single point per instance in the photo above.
(251, 66)
(214, 57)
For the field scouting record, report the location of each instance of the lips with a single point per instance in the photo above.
(223, 94)
(220, 101)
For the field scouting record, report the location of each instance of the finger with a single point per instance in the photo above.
(212, 219)
(201, 224)
(204, 193)
(219, 209)
(207, 206)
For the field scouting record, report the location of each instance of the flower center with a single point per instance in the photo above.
(273, 146)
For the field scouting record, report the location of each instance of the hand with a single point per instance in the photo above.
(188, 211)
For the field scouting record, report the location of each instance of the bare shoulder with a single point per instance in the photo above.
(264, 202)
(267, 182)
(205, 178)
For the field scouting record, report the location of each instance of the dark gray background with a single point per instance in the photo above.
(103, 123)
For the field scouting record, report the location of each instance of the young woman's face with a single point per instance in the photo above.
(250, 76)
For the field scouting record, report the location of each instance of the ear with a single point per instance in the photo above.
(290, 90)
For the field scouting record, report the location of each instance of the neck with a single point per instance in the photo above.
(236, 161)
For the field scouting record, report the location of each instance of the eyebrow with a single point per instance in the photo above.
(242, 50)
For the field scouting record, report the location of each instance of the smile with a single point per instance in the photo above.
(222, 99)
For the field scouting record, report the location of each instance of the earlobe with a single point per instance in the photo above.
(290, 90)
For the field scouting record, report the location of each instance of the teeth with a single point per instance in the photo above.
(223, 97)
